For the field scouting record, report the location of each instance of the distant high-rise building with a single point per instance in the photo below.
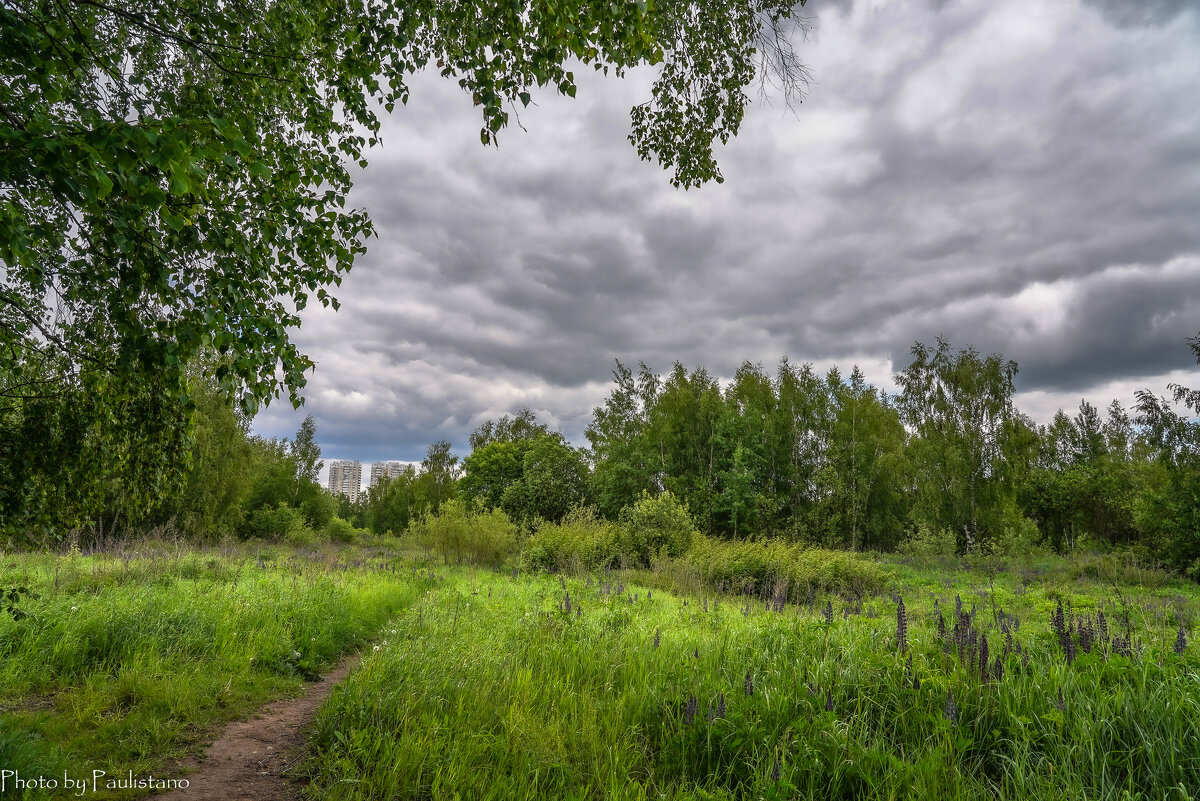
(381, 469)
(346, 477)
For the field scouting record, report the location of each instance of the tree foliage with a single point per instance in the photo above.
(174, 176)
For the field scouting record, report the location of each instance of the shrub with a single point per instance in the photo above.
(655, 525)
(279, 523)
(319, 508)
(340, 530)
(458, 535)
(582, 541)
(763, 565)
(928, 542)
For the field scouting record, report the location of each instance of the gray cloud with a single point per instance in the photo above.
(1141, 13)
(1023, 177)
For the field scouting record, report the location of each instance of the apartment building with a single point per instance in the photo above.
(381, 469)
(346, 477)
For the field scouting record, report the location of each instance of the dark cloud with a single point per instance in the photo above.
(1023, 177)
(1142, 13)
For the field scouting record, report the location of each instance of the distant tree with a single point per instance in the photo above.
(625, 463)
(1168, 509)
(439, 472)
(523, 425)
(554, 479)
(306, 452)
(392, 503)
(862, 491)
(959, 407)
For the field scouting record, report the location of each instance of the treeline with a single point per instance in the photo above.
(946, 464)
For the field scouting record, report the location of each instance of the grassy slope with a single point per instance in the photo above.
(489, 689)
(128, 660)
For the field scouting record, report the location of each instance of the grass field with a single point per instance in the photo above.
(495, 688)
(129, 658)
(644, 684)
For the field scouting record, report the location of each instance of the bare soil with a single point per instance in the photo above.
(250, 759)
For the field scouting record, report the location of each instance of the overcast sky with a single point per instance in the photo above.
(1022, 176)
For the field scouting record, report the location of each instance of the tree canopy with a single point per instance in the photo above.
(174, 178)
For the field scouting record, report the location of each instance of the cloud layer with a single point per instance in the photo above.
(1020, 176)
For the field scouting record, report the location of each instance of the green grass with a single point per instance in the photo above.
(478, 685)
(488, 688)
(127, 660)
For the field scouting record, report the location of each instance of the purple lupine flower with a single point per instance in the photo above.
(901, 625)
(748, 684)
(951, 711)
(1181, 640)
(689, 711)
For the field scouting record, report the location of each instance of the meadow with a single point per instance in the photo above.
(127, 659)
(1028, 678)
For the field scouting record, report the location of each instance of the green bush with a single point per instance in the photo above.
(656, 525)
(279, 524)
(926, 542)
(459, 535)
(757, 566)
(340, 530)
(319, 508)
(582, 541)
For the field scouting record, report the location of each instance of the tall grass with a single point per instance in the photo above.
(125, 661)
(493, 689)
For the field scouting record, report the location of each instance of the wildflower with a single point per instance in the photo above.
(656, 638)
(1181, 640)
(829, 612)
(828, 702)
(983, 659)
(696, 655)
(689, 712)
(376, 647)
(748, 684)
(1056, 620)
(951, 711)
(998, 669)
(74, 608)
(648, 595)
(916, 682)
(775, 771)
(721, 705)
(1061, 704)
(941, 628)
(567, 604)
(901, 625)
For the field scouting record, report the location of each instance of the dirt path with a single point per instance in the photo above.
(247, 762)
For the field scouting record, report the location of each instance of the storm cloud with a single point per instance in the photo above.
(1023, 177)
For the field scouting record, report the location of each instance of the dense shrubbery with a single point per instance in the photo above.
(773, 566)
(582, 541)
(460, 535)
